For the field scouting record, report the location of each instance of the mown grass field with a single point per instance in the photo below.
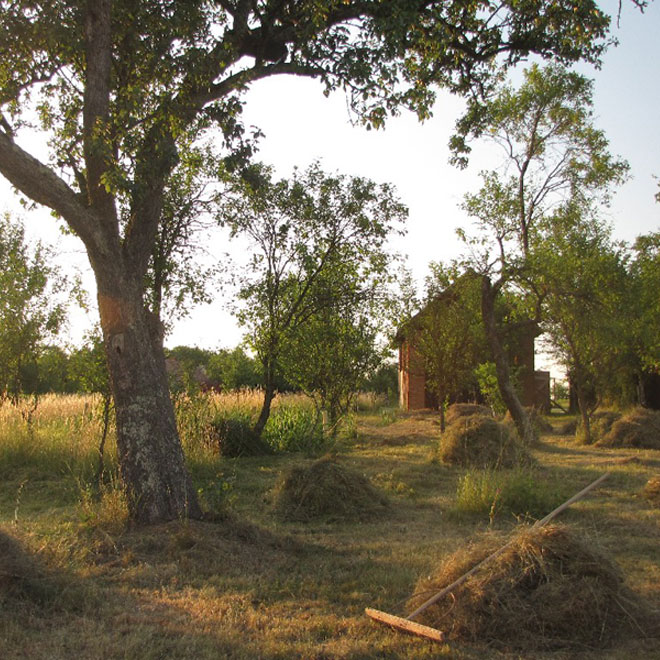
(250, 586)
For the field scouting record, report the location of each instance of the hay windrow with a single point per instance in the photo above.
(640, 429)
(549, 589)
(652, 491)
(327, 490)
(481, 442)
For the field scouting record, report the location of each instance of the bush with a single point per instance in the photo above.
(548, 589)
(481, 442)
(518, 492)
(327, 490)
(235, 437)
(294, 428)
(639, 428)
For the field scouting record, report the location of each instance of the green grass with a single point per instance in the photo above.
(250, 586)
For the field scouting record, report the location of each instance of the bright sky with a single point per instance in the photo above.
(301, 125)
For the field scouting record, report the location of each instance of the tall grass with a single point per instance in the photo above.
(62, 434)
(497, 493)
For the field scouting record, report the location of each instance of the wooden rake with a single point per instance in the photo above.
(410, 626)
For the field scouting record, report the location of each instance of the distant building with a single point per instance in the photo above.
(414, 393)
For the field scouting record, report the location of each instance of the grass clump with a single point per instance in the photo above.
(481, 442)
(517, 492)
(326, 490)
(640, 429)
(549, 589)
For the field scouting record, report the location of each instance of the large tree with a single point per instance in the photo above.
(553, 154)
(119, 85)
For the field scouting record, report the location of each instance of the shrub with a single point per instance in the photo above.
(481, 442)
(294, 428)
(235, 437)
(548, 589)
(640, 428)
(518, 492)
(327, 490)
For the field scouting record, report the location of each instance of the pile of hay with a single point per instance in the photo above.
(481, 442)
(652, 491)
(639, 428)
(20, 577)
(548, 589)
(458, 410)
(600, 424)
(329, 491)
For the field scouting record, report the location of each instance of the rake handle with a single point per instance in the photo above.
(539, 523)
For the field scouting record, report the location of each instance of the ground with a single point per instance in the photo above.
(250, 586)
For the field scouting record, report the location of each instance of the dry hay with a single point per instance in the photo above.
(652, 491)
(21, 579)
(327, 490)
(640, 429)
(600, 424)
(481, 442)
(458, 410)
(549, 589)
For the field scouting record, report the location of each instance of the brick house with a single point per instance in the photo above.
(414, 394)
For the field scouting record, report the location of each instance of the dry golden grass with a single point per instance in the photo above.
(250, 586)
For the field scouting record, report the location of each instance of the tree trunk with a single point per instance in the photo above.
(269, 395)
(151, 460)
(584, 412)
(507, 390)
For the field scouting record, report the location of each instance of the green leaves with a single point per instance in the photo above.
(32, 308)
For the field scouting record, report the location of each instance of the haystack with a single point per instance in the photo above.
(481, 442)
(600, 423)
(327, 490)
(549, 589)
(640, 429)
(458, 410)
(652, 491)
(20, 576)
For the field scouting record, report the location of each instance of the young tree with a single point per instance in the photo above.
(33, 303)
(315, 237)
(120, 86)
(585, 283)
(449, 334)
(555, 154)
(330, 354)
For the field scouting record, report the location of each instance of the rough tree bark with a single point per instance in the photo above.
(507, 390)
